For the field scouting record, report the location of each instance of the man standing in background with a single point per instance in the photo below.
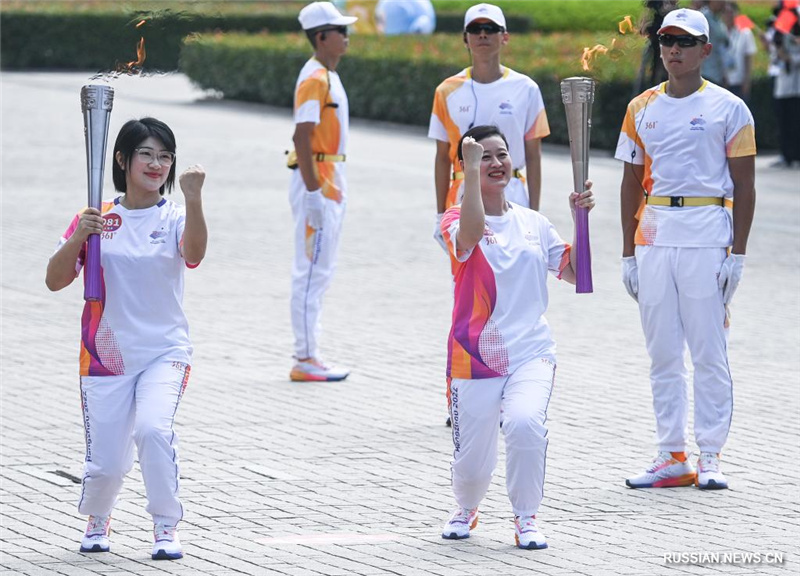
(488, 93)
(318, 190)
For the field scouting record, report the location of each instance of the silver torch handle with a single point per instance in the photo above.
(96, 104)
(577, 93)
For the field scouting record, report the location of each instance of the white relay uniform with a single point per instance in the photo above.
(135, 358)
(501, 354)
(513, 104)
(684, 145)
(319, 98)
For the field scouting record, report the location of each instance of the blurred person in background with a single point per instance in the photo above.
(714, 65)
(742, 49)
(651, 70)
(786, 91)
(405, 17)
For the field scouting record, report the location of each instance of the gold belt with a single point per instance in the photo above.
(320, 157)
(460, 175)
(681, 201)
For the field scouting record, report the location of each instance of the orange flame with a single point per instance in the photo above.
(590, 54)
(135, 66)
(625, 25)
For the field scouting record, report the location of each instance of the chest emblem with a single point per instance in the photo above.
(697, 123)
(158, 236)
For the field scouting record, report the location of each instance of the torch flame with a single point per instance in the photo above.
(625, 25)
(135, 66)
(590, 54)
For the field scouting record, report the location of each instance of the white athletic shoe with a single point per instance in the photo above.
(708, 475)
(95, 539)
(167, 545)
(527, 535)
(664, 472)
(460, 523)
(314, 370)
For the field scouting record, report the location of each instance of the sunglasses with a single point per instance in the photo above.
(340, 29)
(684, 41)
(487, 27)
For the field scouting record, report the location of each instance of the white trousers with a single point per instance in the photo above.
(315, 255)
(120, 411)
(681, 304)
(475, 407)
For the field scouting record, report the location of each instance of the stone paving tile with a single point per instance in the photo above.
(353, 477)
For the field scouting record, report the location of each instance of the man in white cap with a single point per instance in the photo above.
(318, 190)
(487, 93)
(689, 151)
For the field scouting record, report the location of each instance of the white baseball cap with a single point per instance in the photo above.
(692, 21)
(319, 14)
(486, 11)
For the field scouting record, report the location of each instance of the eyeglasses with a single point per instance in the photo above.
(148, 156)
(488, 27)
(684, 40)
(340, 29)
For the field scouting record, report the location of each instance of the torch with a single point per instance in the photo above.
(96, 103)
(577, 93)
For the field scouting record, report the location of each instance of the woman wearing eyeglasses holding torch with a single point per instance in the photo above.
(135, 351)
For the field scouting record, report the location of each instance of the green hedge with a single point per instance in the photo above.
(393, 78)
(98, 39)
(588, 15)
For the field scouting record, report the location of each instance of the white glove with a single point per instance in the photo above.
(314, 204)
(630, 276)
(729, 276)
(437, 233)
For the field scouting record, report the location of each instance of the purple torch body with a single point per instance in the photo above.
(578, 96)
(96, 104)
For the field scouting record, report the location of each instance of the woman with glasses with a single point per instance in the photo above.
(689, 150)
(501, 355)
(135, 351)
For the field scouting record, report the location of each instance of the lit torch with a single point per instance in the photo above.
(578, 95)
(96, 104)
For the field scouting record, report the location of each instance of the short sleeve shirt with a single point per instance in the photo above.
(320, 98)
(140, 317)
(684, 145)
(501, 293)
(513, 103)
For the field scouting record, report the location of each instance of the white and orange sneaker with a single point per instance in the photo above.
(666, 471)
(167, 546)
(460, 523)
(314, 370)
(709, 476)
(527, 535)
(95, 539)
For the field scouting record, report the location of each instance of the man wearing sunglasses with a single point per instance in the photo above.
(487, 93)
(689, 150)
(318, 187)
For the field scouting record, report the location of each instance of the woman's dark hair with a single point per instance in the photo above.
(480, 133)
(130, 137)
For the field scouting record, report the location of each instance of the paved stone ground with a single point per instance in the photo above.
(353, 477)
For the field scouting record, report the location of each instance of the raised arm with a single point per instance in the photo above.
(473, 216)
(195, 233)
